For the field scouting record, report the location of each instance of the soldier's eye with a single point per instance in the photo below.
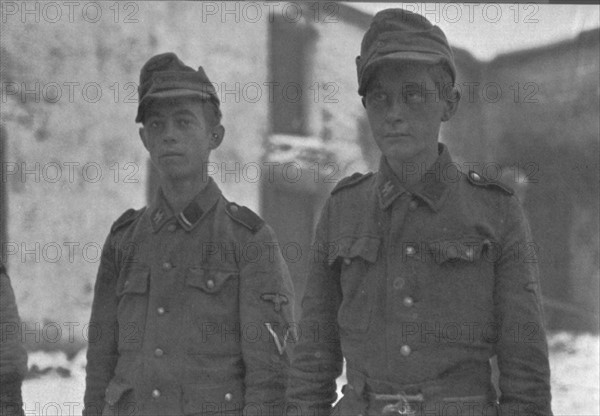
(379, 96)
(413, 96)
(155, 124)
(184, 122)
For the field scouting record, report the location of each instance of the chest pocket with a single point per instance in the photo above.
(464, 271)
(463, 250)
(356, 258)
(132, 294)
(208, 281)
(212, 292)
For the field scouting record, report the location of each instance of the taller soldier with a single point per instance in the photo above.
(193, 298)
(422, 273)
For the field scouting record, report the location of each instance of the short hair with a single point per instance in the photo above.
(441, 74)
(212, 112)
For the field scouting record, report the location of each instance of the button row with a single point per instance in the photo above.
(156, 393)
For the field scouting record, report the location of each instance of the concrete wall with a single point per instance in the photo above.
(533, 122)
(551, 129)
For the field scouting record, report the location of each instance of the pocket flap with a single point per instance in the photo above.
(133, 280)
(467, 249)
(115, 390)
(366, 247)
(210, 281)
(203, 399)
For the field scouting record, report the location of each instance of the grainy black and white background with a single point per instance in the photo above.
(72, 161)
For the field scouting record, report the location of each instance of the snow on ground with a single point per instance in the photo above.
(58, 386)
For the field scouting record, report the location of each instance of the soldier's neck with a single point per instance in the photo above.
(179, 193)
(410, 172)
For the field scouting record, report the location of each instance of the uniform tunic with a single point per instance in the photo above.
(190, 313)
(417, 291)
(13, 357)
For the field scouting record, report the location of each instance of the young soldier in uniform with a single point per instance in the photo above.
(192, 297)
(419, 279)
(13, 357)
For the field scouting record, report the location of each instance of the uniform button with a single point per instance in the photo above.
(410, 250)
(156, 393)
(158, 352)
(210, 283)
(166, 265)
(475, 176)
(408, 301)
(412, 205)
(470, 253)
(172, 227)
(126, 283)
(347, 260)
(399, 283)
(234, 208)
(160, 310)
(405, 350)
(228, 397)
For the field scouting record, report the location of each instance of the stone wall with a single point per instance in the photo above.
(73, 158)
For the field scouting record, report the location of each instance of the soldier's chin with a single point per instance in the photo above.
(173, 171)
(401, 152)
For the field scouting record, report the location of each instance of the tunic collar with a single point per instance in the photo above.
(432, 187)
(160, 212)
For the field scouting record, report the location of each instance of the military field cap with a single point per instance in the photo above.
(400, 35)
(165, 76)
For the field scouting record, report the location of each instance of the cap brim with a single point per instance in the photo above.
(401, 56)
(178, 93)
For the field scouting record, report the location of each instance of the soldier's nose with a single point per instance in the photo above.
(395, 111)
(169, 133)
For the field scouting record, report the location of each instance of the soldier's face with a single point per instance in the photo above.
(179, 138)
(405, 111)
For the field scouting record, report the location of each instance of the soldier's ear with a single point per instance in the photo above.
(451, 100)
(142, 133)
(217, 135)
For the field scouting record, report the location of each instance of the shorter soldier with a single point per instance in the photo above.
(193, 298)
(424, 272)
(13, 358)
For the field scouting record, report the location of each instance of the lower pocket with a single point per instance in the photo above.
(226, 399)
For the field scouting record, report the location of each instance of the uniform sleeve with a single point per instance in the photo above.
(102, 343)
(521, 344)
(13, 358)
(266, 317)
(318, 357)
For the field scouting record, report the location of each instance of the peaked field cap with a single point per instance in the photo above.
(401, 35)
(165, 76)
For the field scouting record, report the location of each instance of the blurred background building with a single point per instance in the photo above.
(72, 161)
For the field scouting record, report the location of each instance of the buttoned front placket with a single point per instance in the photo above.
(170, 239)
(404, 227)
(399, 272)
